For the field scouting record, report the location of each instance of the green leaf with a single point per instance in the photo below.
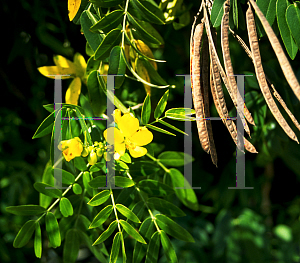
(123, 181)
(149, 11)
(161, 105)
(101, 217)
(26, 210)
(289, 43)
(235, 13)
(97, 182)
(86, 178)
(142, 27)
(143, 168)
(268, 8)
(41, 188)
(52, 230)
(159, 129)
(46, 126)
(97, 97)
(123, 247)
(126, 158)
(217, 13)
(48, 179)
(175, 159)
(67, 178)
(168, 248)
(186, 196)
(154, 187)
(84, 127)
(71, 247)
(180, 114)
(153, 248)
(106, 234)
(79, 163)
(98, 166)
(65, 207)
(106, 3)
(99, 198)
(154, 76)
(146, 110)
(146, 229)
(121, 166)
(173, 229)
(93, 39)
(38, 241)
(164, 207)
(77, 189)
(117, 66)
(25, 234)
(111, 39)
(127, 213)
(293, 20)
(115, 248)
(109, 21)
(132, 232)
(171, 126)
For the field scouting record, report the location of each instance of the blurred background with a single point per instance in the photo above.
(259, 225)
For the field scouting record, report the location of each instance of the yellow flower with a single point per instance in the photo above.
(129, 136)
(71, 148)
(75, 69)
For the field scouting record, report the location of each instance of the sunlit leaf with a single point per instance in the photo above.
(38, 241)
(52, 230)
(153, 187)
(102, 216)
(127, 213)
(168, 248)
(146, 110)
(107, 233)
(65, 207)
(132, 232)
(99, 198)
(175, 159)
(161, 105)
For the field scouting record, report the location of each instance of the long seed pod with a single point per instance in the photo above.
(228, 65)
(223, 112)
(218, 63)
(261, 75)
(197, 88)
(205, 87)
(282, 59)
(275, 93)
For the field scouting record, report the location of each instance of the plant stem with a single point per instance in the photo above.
(124, 23)
(158, 162)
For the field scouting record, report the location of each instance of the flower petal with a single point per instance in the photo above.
(137, 151)
(120, 148)
(142, 137)
(114, 135)
(128, 125)
(73, 91)
(117, 115)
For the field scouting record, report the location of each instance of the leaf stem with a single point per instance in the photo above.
(158, 162)
(124, 23)
(114, 207)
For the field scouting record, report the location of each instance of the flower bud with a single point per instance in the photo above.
(92, 159)
(85, 152)
(99, 152)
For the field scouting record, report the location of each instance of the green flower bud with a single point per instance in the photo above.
(92, 159)
(99, 152)
(85, 152)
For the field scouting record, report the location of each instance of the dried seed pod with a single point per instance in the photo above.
(218, 63)
(260, 75)
(282, 59)
(228, 66)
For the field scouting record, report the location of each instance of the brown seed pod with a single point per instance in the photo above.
(197, 89)
(282, 59)
(228, 65)
(260, 75)
(218, 63)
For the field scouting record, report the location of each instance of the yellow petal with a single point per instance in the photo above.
(128, 125)
(117, 115)
(142, 137)
(74, 148)
(73, 91)
(114, 136)
(137, 151)
(62, 62)
(80, 65)
(51, 71)
(73, 7)
(120, 148)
